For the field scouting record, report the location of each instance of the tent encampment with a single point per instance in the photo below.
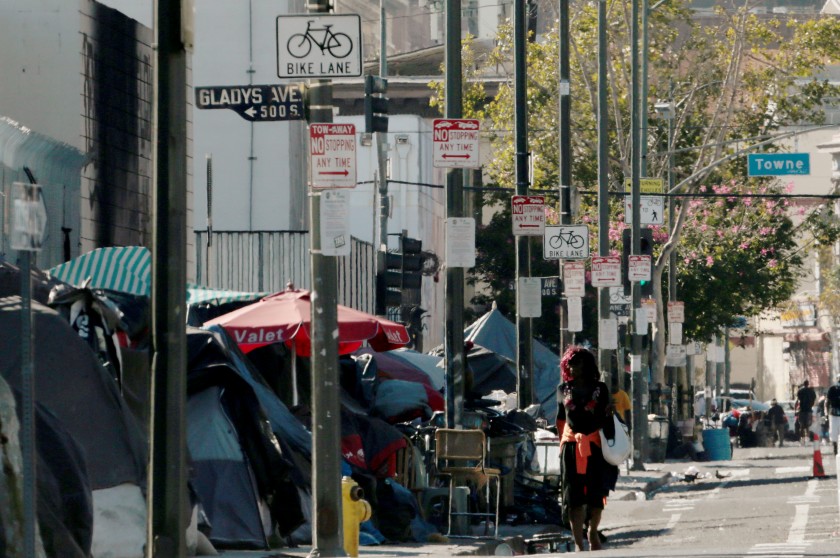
(498, 334)
(245, 481)
(75, 387)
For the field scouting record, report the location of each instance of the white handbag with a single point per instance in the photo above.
(617, 450)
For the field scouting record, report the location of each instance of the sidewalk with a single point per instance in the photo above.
(513, 539)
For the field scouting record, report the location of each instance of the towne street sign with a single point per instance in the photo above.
(778, 164)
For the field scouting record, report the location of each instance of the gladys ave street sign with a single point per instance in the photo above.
(256, 103)
(319, 46)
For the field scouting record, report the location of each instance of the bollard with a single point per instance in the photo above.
(355, 510)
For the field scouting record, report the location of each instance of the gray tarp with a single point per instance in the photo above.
(495, 332)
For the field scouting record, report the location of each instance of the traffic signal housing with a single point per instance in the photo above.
(402, 278)
(376, 104)
(645, 249)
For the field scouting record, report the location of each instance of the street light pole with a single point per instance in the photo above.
(604, 355)
(565, 155)
(524, 381)
(454, 318)
(640, 391)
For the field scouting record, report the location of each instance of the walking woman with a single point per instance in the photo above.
(585, 477)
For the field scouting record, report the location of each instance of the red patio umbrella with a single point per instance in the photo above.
(285, 317)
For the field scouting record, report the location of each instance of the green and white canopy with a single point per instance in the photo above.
(128, 269)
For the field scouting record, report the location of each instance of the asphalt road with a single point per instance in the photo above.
(763, 503)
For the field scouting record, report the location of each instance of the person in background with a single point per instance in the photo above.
(583, 409)
(776, 416)
(832, 411)
(805, 399)
(621, 405)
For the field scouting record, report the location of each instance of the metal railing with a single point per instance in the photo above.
(265, 261)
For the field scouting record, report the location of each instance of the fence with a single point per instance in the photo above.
(264, 261)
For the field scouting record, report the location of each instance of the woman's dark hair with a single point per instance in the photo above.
(576, 353)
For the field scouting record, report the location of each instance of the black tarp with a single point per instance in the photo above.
(74, 386)
(65, 503)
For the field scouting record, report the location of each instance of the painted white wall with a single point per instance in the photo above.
(39, 54)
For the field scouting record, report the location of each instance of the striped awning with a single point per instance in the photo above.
(196, 294)
(126, 269)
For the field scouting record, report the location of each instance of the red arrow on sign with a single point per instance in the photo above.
(455, 156)
(344, 172)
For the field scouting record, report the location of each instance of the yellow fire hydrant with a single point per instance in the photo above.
(355, 510)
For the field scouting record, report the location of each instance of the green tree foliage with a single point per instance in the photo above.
(742, 249)
(735, 80)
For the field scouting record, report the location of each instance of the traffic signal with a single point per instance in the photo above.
(402, 278)
(376, 104)
(646, 249)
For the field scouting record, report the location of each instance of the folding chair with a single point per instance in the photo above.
(460, 455)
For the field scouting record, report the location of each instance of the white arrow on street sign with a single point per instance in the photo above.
(455, 143)
(332, 155)
(319, 45)
(29, 217)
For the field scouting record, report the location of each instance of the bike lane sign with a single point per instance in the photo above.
(319, 46)
(567, 242)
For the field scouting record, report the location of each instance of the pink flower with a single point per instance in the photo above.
(744, 245)
(710, 261)
(772, 263)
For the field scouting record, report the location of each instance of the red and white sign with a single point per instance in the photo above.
(574, 279)
(638, 268)
(332, 155)
(676, 312)
(606, 271)
(455, 143)
(528, 215)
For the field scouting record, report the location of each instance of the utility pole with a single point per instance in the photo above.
(524, 366)
(604, 355)
(167, 492)
(565, 148)
(327, 531)
(381, 178)
(640, 390)
(454, 319)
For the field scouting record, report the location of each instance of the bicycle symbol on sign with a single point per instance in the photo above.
(568, 238)
(339, 45)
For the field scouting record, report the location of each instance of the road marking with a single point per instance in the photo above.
(800, 523)
(777, 550)
(792, 470)
(673, 521)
